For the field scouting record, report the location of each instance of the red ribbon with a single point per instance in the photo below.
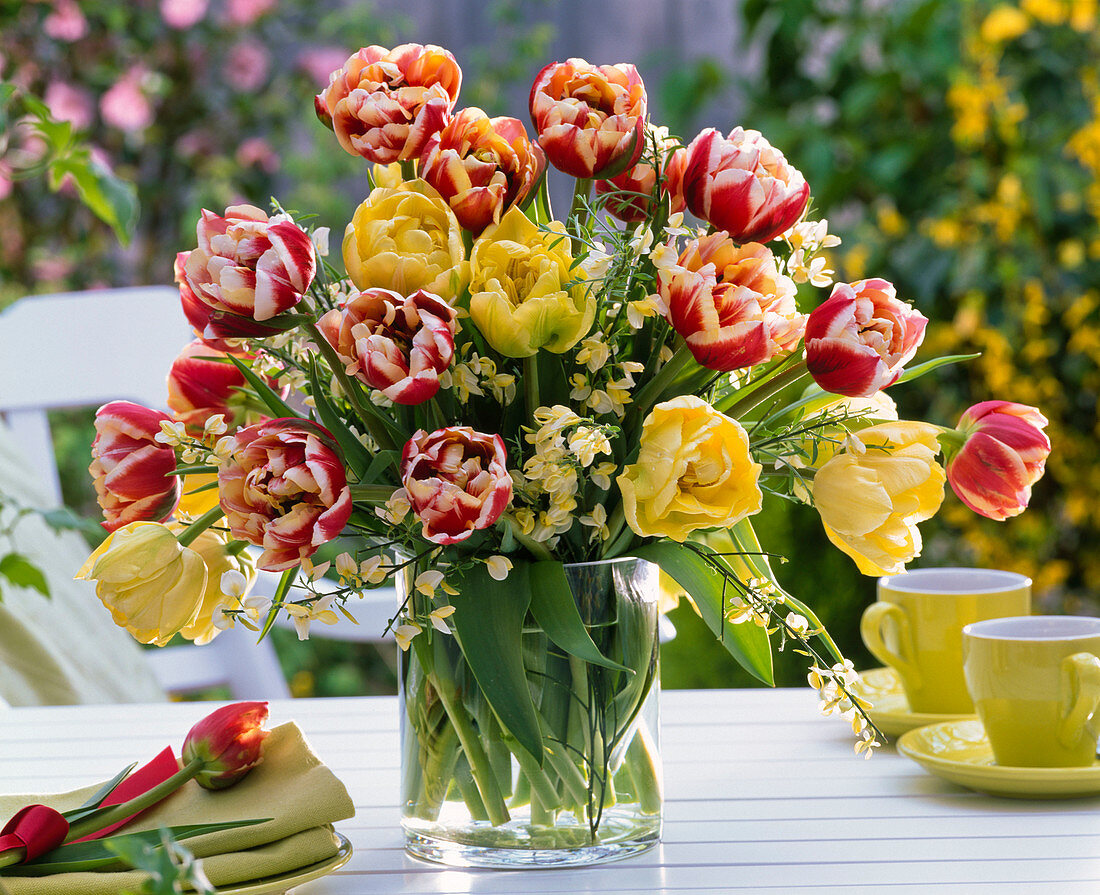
(139, 782)
(37, 828)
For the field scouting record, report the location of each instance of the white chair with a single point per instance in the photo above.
(84, 349)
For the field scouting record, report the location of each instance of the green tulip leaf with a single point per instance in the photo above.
(21, 572)
(555, 610)
(265, 392)
(934, 364)
(96, 854)
(356, 454)
(488, 621)
(747, 643)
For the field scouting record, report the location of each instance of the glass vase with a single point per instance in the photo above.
(472, 796)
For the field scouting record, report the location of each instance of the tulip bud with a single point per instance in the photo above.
(589, 118)
(743, 185)
(132, 471)
(457, 481)
(200, 385)
(858, 341)
(229, 743)
(996, 454)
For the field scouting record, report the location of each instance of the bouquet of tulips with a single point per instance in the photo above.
(488, 390)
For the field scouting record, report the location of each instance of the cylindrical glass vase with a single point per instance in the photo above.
(473, 797)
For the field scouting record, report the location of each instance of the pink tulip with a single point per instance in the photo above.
(385, 104)
(131, 470)
(229, 743)
(482, 166)
(858, 341)
(742, 185)
(397, 345)
(589, 118)
(201, 384)
(457, 481)
(247, 269)
(1003, 452)
(284, 488)
(730, 303)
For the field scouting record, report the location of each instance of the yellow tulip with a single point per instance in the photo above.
(871, 497)
(211, 546)
(519, 299)
(152, 584)
(693, 472)
(406, 238)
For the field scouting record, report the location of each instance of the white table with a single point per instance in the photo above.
(762, 795)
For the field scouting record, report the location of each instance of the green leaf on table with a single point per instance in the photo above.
(488, 620)
(96, 854)
(21, 572)
(105, 790)
(112, 200)
(747, 643)
(555, 610)
(934, 364)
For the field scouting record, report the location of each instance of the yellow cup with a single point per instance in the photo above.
(1036, 684)
(916, 628)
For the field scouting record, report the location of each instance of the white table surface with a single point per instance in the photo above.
(762, 795)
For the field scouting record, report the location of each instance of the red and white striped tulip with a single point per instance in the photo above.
(201, 385)
(247, 270)
(743, 185)
(397, 345)
(482, 166)
(1003, 452)
(860, 338)
(457, 481)
(638, 184)
(589, 118)
(385, 104)
(730, 303)
(131, 470)
(284, 488)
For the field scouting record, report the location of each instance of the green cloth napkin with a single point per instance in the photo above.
(291, 786)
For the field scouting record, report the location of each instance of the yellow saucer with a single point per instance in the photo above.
(284, 882)
(959, 751)
(889, 707)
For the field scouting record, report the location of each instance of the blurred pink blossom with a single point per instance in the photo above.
(182, 14)
(248, 66)
(66, 22)
(125, 106)
(257, 151)
(69, 103)
(245, 12)
(6, 184)
(318, 63)
(193, 143)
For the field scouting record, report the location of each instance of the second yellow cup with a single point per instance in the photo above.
(916, 625)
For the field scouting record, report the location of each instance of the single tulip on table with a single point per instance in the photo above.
(218, 752)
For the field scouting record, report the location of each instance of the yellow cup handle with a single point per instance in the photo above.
(1081, 682)
(871, 626)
